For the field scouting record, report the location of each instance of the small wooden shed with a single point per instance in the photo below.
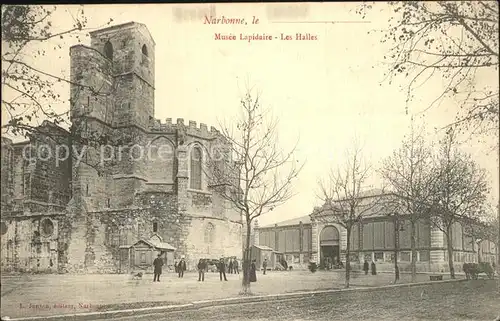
(140, 255)
(260, 252)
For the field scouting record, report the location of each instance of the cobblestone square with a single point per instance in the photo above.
(28, 295)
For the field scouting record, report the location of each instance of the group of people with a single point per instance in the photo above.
(232, 266)
(180, 268)
(333, 263)
(221, 267)
(366, 268)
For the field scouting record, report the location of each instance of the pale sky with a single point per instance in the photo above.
(325, 91)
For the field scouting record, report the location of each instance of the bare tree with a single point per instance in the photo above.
(487, 224)
(484, 227)
(456, 41)
(459, 191)
(345, 200)
(407, 172)
(254, 175)
(30, 93)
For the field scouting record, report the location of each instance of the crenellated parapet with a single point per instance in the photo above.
(191, 129)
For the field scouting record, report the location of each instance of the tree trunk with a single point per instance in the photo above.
(245, 286)
(396, 250)
(413, 246)
(497, 248)
(449, 247)
(348, 258)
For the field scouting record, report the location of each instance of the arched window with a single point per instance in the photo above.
(195, 177)
(144, 50)
(209, 233)
(329, 236)
(108, 50)
(47, 227)
(112, 235)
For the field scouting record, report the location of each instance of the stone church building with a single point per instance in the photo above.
(130, 188)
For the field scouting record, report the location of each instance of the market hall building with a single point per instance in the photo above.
(312, 238)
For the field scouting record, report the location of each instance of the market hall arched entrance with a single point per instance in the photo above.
(329, 242)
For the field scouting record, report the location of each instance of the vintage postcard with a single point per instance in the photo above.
(250, 161)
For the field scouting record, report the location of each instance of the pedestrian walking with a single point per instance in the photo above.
(374, 268)
(253, 272)
(176, 266)
(157, 263)
(222, 269)
(366, 267)
(264, 265)
(202, 266)
(181, 267)
(230, 266)
(235, 266)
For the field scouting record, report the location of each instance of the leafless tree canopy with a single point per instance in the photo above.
(343, 193)
(29, 93)
(345, 200)
(483, 228)
(456, 41)
(255, 173)
(250, 170)
(408, 173)
(459, 191)
(460, 188)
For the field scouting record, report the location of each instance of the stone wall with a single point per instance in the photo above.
(92, 88)
(49, 179)
(7, 180)
(29, 244)
(131, 50)
(120, 193)
(18, 174)
(212, 239)
(160, 160)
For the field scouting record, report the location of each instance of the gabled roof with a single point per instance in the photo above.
(266, 248)
(152, 243)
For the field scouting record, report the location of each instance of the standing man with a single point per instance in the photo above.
(264, 265)
(235, 266)
(157, 263)
(374, 268)
(222, 269)
(202, 266)
(366, 267)
(230, 266)
(181, 267)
